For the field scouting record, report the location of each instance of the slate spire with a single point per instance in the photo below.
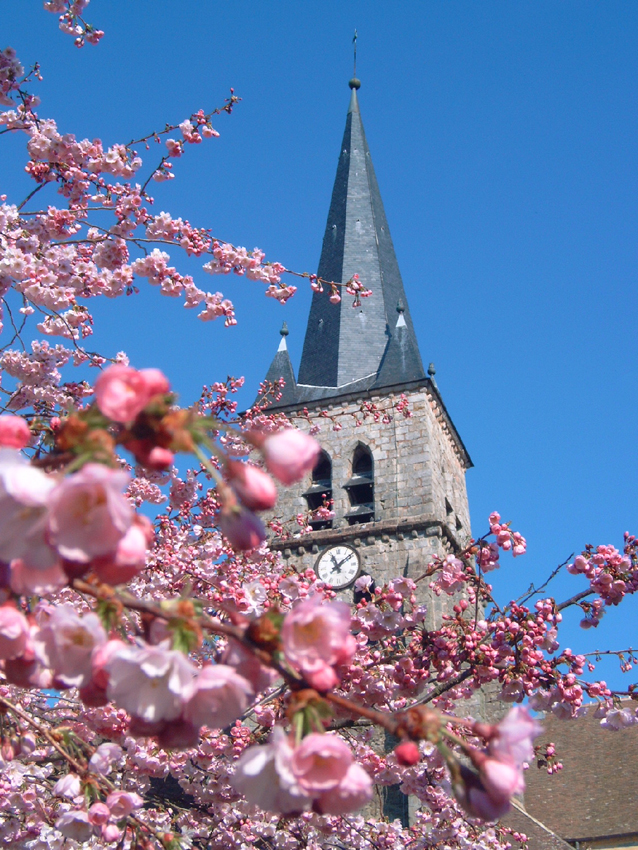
(281, 369)
(348, 348)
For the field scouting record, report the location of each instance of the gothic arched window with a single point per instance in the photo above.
(360, 487)
(320, 491)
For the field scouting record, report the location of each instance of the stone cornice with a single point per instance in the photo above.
(370, 532)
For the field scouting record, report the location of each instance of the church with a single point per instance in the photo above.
(393, 463)
(397, 484)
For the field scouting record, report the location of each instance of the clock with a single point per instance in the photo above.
(338, 566)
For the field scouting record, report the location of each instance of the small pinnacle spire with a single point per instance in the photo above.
(431, 370)
(284, 330)
(400, 307)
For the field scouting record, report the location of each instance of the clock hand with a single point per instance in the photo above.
(347, 558)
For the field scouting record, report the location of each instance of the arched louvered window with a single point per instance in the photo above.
(360, 487)
(320, 491)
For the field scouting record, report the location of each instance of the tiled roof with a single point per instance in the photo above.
(595, 795)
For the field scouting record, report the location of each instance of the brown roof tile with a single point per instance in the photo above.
(596, 792)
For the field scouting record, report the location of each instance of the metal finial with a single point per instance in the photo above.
(354, 82)
(400, 307)
(284, 330)
(431, 370)
(354, 44)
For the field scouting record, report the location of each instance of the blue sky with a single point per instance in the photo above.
(504, 139)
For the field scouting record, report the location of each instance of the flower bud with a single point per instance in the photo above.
(289, 454)
(14, 432)
(242, 529)
(255, 488)
(407, 753)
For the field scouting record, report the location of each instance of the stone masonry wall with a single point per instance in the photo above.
(420, 498)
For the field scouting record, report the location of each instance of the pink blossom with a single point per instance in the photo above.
(289, 454)
(94, 693)
(111, 833)
(501, 779)
(475, 799)
(320, 762)
(451, 576)
(258, 676)
(26, 580)
(323, 678)
(264, 776)
(242, 529)
(488, 558)
(150, 682)
(255, 595)
(14, 632)
(14, 431)
(514, 736)
(66, 642)
(129, 557)
(104, 756)
(88, 513)
(407, 753)
(75, 825)
(26, 671)
(316, 635)
(121, 393)
(149, 455)
(122, 803)
(155, 381)
(99, 813)
(255, 488)
(220, 696)
(24, 494)
(353, 792)
(68, 785)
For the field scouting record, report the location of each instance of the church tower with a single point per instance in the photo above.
(397, 481)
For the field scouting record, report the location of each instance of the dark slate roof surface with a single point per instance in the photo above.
(345, 346)
(281, 369)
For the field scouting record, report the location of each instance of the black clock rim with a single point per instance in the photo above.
(338, 546)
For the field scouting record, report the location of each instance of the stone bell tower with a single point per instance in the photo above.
(398, 483)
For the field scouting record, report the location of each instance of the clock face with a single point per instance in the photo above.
(338, 566)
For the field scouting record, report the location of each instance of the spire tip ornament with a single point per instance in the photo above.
(354, 82)
(284, 330)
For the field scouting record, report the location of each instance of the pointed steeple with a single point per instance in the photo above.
(401, 362)
(281, 369)
(348, 348)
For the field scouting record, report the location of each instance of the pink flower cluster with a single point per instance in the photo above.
(50, 528)
(100, 819)
(316, 639)
(167, 696)
(288, 454)
(10, 72)
(227, 258)
(508, 540)
(611, 575)
(320, 773)
(121, 393)
(500, 767)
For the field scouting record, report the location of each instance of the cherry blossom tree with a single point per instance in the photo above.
(165, 680)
